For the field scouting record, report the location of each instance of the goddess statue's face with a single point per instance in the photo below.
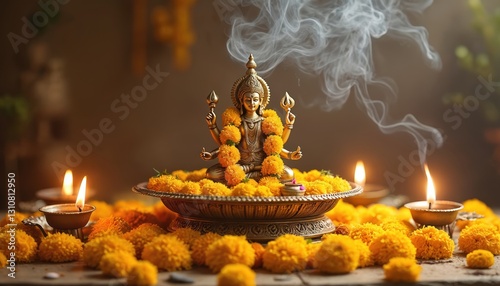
(251, 101)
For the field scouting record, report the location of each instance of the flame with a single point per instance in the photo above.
(359, 174)
(67, 188)
(80, 200)
(431, 190)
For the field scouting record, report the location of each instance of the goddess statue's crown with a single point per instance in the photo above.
(250, 83)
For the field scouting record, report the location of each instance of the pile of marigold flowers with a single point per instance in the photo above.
(315, 182)
(133, 241)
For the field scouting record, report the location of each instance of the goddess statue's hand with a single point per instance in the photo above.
(296, 155)
(290, 118)
(211, 118)
(205, 155)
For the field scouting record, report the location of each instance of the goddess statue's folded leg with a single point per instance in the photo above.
(216, 173)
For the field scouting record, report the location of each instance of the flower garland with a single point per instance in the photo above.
(230, 137)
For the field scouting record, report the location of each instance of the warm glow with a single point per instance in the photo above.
(80, 200)
(67, 189)
(359, 174)
(431, 190)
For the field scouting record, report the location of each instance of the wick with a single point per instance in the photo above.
(80, 209)
(430, 204)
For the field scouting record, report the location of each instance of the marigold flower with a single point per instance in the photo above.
(243, 189)
(272, 125)
(191, 188)
(273, 183)
(391, 244)
(234, 174)
(34, 232)
(94, 250)
(60, 247)
(480, 259)
(137, 217)
(117, 263)
(165, 183)
(102, 210)
(215, 189)
(227, 250)
(272, 166)
(26, 246)
(187, 235)
(401, 269)
(231, 116)
(259, 253)
(312, 249)
(269, 113)
(167, 252)
(273, 145)
(286, 254)
(109, 225)
(200, 246)
(365, 255)
(18, 219)
(432, 243)
(142, 235)
(479, 236)
(3, 260)
(343, 213)
(377, 213)
(143, 273)
(312, 175)
(164, 215)
(228, 155)
(317, 188)
(337, 183)
(197, 175)
(236, 274)
(230, 135)
(366, 232)
(180, 174)
(477, 206)
(395, 224)
(338, 254)
(263, 191)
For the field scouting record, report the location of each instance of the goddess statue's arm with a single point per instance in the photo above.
(292, 155)
(289, 121)
(209, 155)
(212, 126)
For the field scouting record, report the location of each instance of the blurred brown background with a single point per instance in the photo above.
(79, 84)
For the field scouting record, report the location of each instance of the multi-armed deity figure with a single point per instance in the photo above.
(250, 95)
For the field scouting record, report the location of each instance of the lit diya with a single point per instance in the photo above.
(371, 194)
(61, 195)
(438, 213)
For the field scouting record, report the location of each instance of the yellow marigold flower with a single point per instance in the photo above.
(142, 235)
(259, 254)
(391, 244)
(404, 214)
(272, 125)
(197, 175)
(165, 183)
(377, 213)
(200, 246)
(479, 236)
(263, 191)
(26, 246)
(286, 254)
(401, 269)
(343, 213)
(228, 155)
(34, 232)
(236, 275)
(273, 145)
(230, 135)
(60, 247)
(480, 259)
(164, 215)
(109, 225)
(395, 224)
(312, 249)
(180, 174)
(272, 165)
(3, 260)
(432, 243)
(366, 232)
(299, 175)
(215, 189)
(117, 263)
(234, 174)
(167, 252)
(102, 210)
(477, 206)
(96, 248)
(137, 217)
(187, 235)
(338, 254)
(243, 189)
(227, 250)
(317, 188)
(143, 273)
(273, 183)
(269, 113)
(231, 116)
(337, 183)
(365, 255)
(312, 175)
(191, 188)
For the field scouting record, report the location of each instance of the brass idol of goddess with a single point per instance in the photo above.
(250, 95)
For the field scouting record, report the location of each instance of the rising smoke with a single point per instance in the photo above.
(331, 39)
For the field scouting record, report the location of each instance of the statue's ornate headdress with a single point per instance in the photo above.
(250, 83)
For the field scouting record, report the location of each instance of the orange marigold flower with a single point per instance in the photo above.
(312, 175)
(259, 253)
(191, 188)
(432, 243)
(200, 246)
(60, 247)
(215, 189)
(231, 116)
(263, 191)
(477, 206)
(395, 224)
(401, 269)
(187, 235)
(243, 189)
(269, 113)
(366, 232)
(180, 174)
(317, 188)
(273, 145)
(227, 250)
(272, 125)
(109, 225)
(480, 259)
(96, 248)
(228, 155)
(286, 254)
(338, 254)
(273, 183)
(343, 213)
(143, 273)
(236, 275)
(234, 174)
(142, 235)
(26, 246)
(165, 183)
(391, 244)
(230, 135)
(117, 263)
(137, 217)
(377, 213)
(337, 183)
(197, 175)
(272, 166)
(167, 252)
(479, 236)
(164, 215)
(102, 209)
(312, 249)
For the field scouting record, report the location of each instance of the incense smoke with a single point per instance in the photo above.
(331, 39)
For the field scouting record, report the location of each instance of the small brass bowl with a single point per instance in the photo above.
(67, 216)
(52, 196)
(372, 194)
(441, 213)
(293, 190)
